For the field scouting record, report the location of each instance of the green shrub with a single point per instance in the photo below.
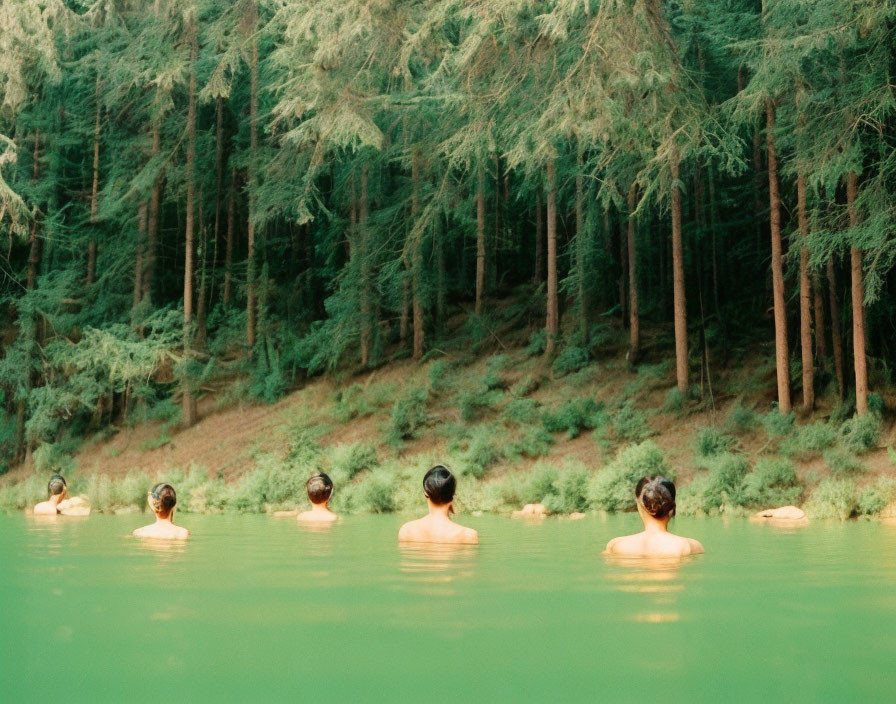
(524, 411)
(675, 401)
(408, 416)
(613, 487)
(891, 455)
(570, 360)
(54, 458)
(778, 424)
(154, 443)
(810, 438)
(773, 482)
(540, 482)
(711, 441)
(24, 493)
(351, 403)
(537, 342)
(569, 492)
(524, 387)
(630, 424)
(843, 462)
(439, 381)
(726, 479)
(573, 416)
(875, 497)
(534, 442)
(861, 433)
(378, 494)
(741, 419)
(832, 498)
(481, 453)
(273, 484)
(348, 460)
(469, 402)
(493, 368)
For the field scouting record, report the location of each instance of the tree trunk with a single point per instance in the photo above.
(634, 321)
(138, 260)
(219, 188)
(417, 257)
(836, 341)
(821, 346)
(782, 357)
(441, 284)
(581, 251)
(552, 323)
(188, 402)
(480, 239)
(152, 224)
(539, 238)
(623, 272)
(805, 297)
(714, 236)
(365, 270)
(251, 22)
(678, 291)
(496, 238)
(94, 190)
(228, 250)
(858, 300)
(201, 299)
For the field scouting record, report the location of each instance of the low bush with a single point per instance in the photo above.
(573, 416)
(493, 368)
(351, 403)
(832, 498)
(891, 456)
(675, 401)
(439, 381)
(534, 442)
(481, 453)
(408, 416)
(569, 491)
(537, 342)
(613, 487)
(469, 402)
(842, 462)
(711, 441)
(773, 482)
(875, 497)
(778, 424)
(741, 419)
(272, 485)
(570, 360)
(154, 443)
(538, 484)
(810, 438)
(346, 461)
(378, 494)
(524, 387)
(630, 424)
(523, 411)
(861, 433)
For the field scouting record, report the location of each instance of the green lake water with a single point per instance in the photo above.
(254, 608)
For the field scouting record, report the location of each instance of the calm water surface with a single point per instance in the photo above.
(257, 608)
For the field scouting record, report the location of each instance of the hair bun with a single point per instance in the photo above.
(657, 496)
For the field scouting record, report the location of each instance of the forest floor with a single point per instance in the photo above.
(475, 407)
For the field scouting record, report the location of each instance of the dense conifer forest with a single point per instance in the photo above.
(201, 190)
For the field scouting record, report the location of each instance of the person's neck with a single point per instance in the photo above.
(321, 508)
(56, 499)
(439, 510)
(167, 520)
(655, 525)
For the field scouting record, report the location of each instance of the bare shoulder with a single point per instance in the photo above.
(181, 533)
(409, 530)
(470, 536)
(696, 547)
(141, 532)
(44, 508)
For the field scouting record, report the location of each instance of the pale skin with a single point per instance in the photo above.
(163, 528)
(654, 541)
(319, 513)
(50, 507)
(437, 527)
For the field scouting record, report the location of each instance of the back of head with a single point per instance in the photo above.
(657, 496)
(56, 485)
(319, 488)
(163, 499)
(439, 485)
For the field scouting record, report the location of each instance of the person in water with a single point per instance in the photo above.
(439, 485)
(320, 489)
(162, 500)
(655, 499)
(57, 490)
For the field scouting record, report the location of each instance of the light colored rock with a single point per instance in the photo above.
(790, 513)
(530, 511)
(127, 510)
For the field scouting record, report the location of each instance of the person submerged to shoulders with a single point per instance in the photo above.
(162, 500)
(319, 488)
(655, 500)
(439, 485)
(57, 490)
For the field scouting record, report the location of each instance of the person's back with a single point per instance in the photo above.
(655, 500)
(162, 500)
(437, 527)
(319, 488)
(57, 490)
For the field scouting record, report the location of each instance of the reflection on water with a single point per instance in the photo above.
(165, 549)
(657, 578)
(431, 564)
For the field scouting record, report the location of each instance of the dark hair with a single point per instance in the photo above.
(439, 485)
(319, 488)
(164, 499)
(657, 496)
(56, 485)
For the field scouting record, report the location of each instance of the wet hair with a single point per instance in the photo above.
(657, 496)
(163, 499)
(56, 485)
(439, 485)
(319, 488)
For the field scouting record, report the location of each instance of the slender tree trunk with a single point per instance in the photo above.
(441, 284)
(94, 190)
(152, 224)
(228, 250)
(480, 239)
(581, 251)
(251, 312)
(805, 297)
(539, 238)
(496, 238)
(858, 300)
(782, 356)
(634, 321)
(552, 323)
(201, 298)
(219, 191)
(714, 236)
(365, 270)
(623, 272)
(678, 290)
(138, 260)
(417, 258)
(188, 401)
(836, 341)
(821, 347)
